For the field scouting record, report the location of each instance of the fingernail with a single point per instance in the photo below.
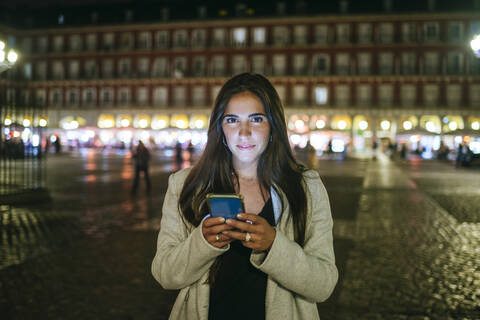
(222, 219)
(240, 215)
(225, 232)
(229, 221)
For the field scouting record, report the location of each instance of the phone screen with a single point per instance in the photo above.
(225, 206)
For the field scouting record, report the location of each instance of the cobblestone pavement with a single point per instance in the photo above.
(407, 242)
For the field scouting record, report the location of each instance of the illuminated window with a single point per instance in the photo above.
(342, 95)
(343, 33)
(386, 32)
(143, 67)
(41, 70)
(219, 37)
(215, 91)
(279, 64)
(58, 72)
(321, 95)
(408, 32)
(299, 94)
(342, 63)
(218, 65)
(144, 40)
(258, 63)
(239, 64)
(282, 92)
(75, 43)
(300, 35)
(42, 44)
(160, 96)
(239, 37)
(321, 34)
(161, 39)
(364, 61)
(91, 42)
(108, 41)
(199, 65)
(180, 96)
(199, 38)
(180, 39)
(364, 32)
(431, 62)
(198, 94)
(409, 60)
(126, 40)
(107, 68)
(300, 64)
(281, 36)
(160, 67)
(142, 96)
(58, 44)
(386, 63)
(259, 36)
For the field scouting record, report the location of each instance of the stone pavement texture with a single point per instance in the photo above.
(407, 241)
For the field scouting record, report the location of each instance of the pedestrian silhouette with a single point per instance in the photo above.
(142, 157)
(178, 155)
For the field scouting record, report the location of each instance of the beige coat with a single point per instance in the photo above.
(298, 277)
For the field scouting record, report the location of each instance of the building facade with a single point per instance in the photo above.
(348, 79)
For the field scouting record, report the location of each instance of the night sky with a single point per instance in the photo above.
(45, 13)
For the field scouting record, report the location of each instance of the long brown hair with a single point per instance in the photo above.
(214, 172)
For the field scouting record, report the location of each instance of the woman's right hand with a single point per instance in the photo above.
(212, 229)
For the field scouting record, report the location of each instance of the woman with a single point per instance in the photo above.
(276, 261)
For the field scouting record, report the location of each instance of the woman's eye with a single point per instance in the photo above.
(230, 120)
(257, 119)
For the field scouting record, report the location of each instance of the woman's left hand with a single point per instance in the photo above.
(254, 231)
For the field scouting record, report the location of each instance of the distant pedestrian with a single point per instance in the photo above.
(141, 156)
(178, 155)
(311, 156)
(57, 145)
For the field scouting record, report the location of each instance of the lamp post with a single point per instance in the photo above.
(7, 60)
(475, 45)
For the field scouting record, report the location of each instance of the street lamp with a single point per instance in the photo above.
(475, 45)
(11, 57)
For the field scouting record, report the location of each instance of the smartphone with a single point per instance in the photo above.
(225, 205)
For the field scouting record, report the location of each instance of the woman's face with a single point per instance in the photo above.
(246, 129)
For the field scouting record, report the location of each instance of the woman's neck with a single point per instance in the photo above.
(246, 173)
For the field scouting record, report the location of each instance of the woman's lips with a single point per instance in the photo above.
(245, 146)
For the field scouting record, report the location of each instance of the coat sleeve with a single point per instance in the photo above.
(181, 257)
(309, 271)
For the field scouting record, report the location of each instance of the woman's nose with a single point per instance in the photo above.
(245, 129)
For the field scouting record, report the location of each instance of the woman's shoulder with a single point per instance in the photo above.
(313, 181)
(310, 174)
(179, 177)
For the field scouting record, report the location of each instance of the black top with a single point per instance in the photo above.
(239, 288)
